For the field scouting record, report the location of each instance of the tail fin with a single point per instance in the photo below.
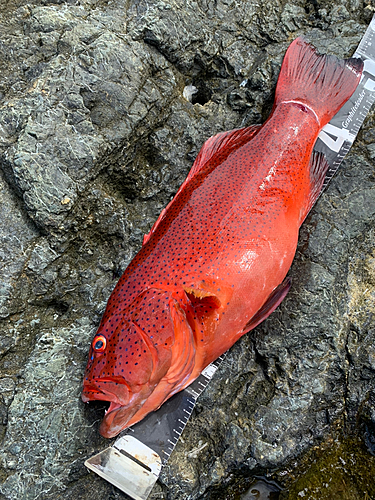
(322, 82)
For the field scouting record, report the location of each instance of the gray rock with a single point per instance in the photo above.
(87, 90)
(16, 236)
(45, 425)
(95, 138)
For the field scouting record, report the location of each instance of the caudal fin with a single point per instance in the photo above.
(322, 82)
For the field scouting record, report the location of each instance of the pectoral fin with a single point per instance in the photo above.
(276, 297)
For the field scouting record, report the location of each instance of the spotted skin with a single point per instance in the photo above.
(213, 265)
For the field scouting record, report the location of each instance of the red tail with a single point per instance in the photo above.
(322, 82)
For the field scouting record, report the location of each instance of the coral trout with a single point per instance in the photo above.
(214, 264)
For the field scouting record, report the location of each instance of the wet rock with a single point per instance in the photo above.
(96, 136)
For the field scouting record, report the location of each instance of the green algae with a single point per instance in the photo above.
(339, 469)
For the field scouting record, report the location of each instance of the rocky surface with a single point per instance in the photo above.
(95, 138)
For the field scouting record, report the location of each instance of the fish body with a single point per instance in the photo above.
(214, 264)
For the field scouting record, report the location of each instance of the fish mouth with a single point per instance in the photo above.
(116, 391)
(112, 407)
(116, 419)
(122, 406)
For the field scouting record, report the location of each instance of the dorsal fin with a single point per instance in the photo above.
(219, 142)
(224, 141)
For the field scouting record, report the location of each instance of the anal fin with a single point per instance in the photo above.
(318, 169)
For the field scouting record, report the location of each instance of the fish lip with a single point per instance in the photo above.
(115, 420)
(92, 385)
(113, 380)
(91, 392)
(120, 411)
(91, 395)
(113, 407)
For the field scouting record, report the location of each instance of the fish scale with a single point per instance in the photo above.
(157, 434)
(165, 252)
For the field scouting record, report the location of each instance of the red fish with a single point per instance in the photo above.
(214, 264)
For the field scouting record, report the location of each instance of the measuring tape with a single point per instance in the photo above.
(133, 463)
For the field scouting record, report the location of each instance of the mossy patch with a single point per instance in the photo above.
(337, 470)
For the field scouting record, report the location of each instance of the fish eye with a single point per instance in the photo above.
(99, 343)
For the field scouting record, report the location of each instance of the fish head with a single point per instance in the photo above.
(129, 355)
